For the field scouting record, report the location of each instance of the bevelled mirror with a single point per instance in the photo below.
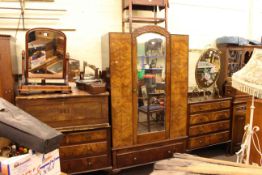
(151, 77)
(45, 67)
(208, 68)
(45, 53)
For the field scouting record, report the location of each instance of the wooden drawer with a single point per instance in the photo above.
(209, 106)
(198, 142)
(83, 150)
(148, 155)
(209, 117)
(209, 127)
(67, 111)
(85, 164)
(71, 138)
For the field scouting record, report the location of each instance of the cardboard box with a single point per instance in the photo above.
(32, 164)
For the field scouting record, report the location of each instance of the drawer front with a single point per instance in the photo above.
(85, 164)
(209, 127)
(83, 150)
(209, 117)
(198, 142)
(148, 155)
(71, 138)
(209, 106)
(219, 137)
(47, 111)
(78, 110)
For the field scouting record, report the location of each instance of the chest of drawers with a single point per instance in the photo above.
(209, 122)
(83, 119)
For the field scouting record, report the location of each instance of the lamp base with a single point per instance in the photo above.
(243, 155)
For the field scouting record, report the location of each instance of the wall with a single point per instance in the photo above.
(203, 20)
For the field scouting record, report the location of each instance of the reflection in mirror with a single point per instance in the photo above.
(151, 67)
(208, 68)
(45, 53)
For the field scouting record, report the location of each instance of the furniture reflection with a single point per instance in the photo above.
(255, 157)
(83, 119)
(154, 106)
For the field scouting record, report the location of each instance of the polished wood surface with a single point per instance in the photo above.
(7, 66)
(179, 85)
(65, 110)
(83, 119)
(131, 148)
(121, 89)
(254, 155)
(209, 121)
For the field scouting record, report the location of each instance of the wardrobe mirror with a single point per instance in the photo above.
(151, 76)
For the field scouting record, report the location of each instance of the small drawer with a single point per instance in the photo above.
(209, 117)
(85, 164)
(77, 137)
(198, 142)
(148, 155)
(209, 106)
(211, 139)
(219, 137)
(83, 150)
(209, 127)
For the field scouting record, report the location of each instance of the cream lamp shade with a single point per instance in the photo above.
(249, 78)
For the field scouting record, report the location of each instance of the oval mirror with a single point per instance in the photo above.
(45, 53)
(208, 68)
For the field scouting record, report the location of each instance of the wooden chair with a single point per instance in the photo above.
(152, 108)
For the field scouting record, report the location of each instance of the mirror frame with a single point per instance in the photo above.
(218, 73)
(43, 76)
(147, 137)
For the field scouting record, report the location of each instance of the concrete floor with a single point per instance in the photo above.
(215, 152)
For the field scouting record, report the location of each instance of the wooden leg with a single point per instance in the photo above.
(148, 122)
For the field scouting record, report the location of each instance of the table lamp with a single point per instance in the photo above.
(249, 80)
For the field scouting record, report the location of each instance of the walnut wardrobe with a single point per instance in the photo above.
(148, 82)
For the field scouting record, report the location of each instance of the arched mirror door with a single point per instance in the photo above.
(151, 60)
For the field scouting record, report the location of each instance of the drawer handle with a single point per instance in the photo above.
(135, 158)
(169, 152)
(89, 163)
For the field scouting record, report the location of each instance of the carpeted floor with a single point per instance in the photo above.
(215, 152)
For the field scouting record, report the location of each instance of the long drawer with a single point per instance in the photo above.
(85, 164)
(200, 107)
(209, 127)
(148, 155)
(209, 117)
(68, 111)
(198, 142)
